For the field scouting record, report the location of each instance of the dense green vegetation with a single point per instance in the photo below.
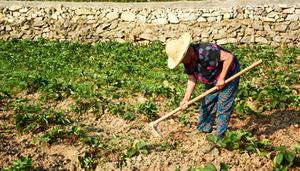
(282, 157)
(110, 77)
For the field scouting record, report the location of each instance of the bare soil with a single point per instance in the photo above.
(182, 146)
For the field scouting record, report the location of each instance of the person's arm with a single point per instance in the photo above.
(227, 59)
(189, 91)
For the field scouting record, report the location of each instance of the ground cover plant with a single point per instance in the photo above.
(95, 101)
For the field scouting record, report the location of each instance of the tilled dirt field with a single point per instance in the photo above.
(182, 147)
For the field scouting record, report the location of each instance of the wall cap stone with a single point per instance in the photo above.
(225, 4)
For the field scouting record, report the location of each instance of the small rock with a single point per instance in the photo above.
(257, 25)
(261, 40)
(142, 19)
(173, 18)
(283, 5)
(211, 19)
(227, 16)
(247, 39)
(201, 19)
(112, 15)
(292, 17)
(160, 21)
(215, 152)
(15, 8)
(249, 31)
(83, 11)
(226, 41)
(146, 36)
(272, 14)
(54, 16)
(23, 10)
(281, 28)
(288, 11)
(128, 16)
(277, 39)
(90, 17)
(39, 23)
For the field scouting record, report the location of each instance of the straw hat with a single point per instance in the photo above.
(176, 49)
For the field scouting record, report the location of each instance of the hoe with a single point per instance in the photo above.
(153, 124)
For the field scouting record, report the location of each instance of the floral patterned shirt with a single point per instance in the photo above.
(208, 64)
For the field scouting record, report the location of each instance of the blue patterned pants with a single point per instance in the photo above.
(220, 102)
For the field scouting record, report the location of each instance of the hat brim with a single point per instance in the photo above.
(185, 41)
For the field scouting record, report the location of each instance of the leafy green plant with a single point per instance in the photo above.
(24, 163)
(297, 147)
(137, 148)
(207, 167)
(283, 159)
(52, 135)
(148, 109)
(87, 161)
(122, 109)
(234, 140)
(93, 141)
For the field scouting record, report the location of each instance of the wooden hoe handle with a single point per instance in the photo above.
(207, 92)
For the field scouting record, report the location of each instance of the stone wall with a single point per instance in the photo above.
(274, 24)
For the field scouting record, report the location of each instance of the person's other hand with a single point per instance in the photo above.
(220, 84)
(183, 104)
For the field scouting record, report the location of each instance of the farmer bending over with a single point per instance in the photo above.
(211, 65)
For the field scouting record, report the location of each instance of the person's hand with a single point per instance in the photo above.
(183, 104)
(220, 84)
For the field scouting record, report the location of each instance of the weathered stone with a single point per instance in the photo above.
(146, 36)
(257, 25)
(141, 19)
(288, 11)
(172, 18)
(247, 39)
(297, 11)
(281, 28)
(16, 14)
(226, 41)
(268, 29)
(54, 16)
(201, 19)
(261, 33)
(267, 19)
(90, 17)
(23, 10)
(46, 30)
(160, 21)
(8, 28)
(278, 9)
(39, 23)
(283, 6)
(14, 8)
(292, 17)
(269, 9)
(227, 16)
(261, 40)
(83, 11)
(294, 26)
(112, 15)
(25, 27)
(205, 34)
(211, 19)
(17, 35)
(272, 14)
(277, 39)
(128, 16)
